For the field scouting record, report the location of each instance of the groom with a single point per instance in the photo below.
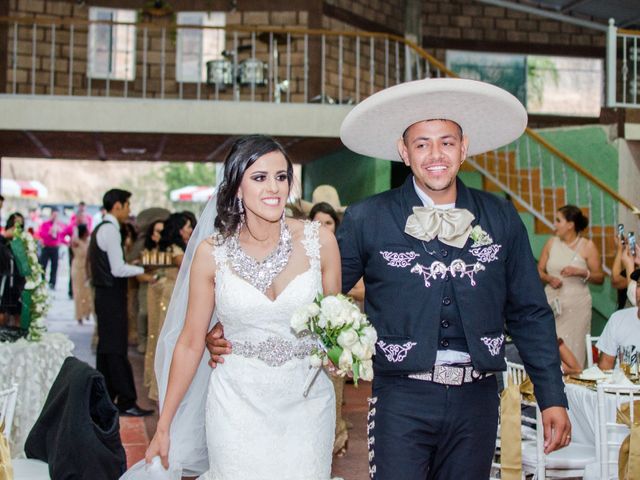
(445, 268)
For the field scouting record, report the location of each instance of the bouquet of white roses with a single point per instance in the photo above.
(345, 335)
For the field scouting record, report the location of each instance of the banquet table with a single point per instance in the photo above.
(34, 367)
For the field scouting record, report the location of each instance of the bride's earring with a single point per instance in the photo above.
(240, 210)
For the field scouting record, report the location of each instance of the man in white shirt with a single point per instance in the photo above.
(622, 330)
(109, 274)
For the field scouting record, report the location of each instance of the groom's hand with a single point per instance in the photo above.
(217, 345)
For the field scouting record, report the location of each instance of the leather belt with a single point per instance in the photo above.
(451, 375)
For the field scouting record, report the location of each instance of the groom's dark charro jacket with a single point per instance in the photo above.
(427, 296)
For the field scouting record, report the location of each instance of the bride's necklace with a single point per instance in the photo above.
(260, 274)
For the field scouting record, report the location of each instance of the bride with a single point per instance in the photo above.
(250, 275)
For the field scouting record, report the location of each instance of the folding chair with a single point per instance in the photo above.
(23, 468)
(589, 343)
(610, 433)
(565, 463)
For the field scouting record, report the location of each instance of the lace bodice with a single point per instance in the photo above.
(249, 315)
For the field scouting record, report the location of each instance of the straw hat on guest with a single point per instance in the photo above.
(324, 193)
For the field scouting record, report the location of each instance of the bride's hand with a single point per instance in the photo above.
(159, 447)
(217, 345)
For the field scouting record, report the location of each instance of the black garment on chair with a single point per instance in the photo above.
(78, 432)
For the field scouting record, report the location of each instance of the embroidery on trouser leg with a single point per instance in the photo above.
(371, 439)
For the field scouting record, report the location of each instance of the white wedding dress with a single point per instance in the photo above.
(259, 426)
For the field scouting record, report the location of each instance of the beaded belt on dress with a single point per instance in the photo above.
(274, 351)
(451, 374)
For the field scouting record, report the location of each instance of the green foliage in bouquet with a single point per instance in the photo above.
(35, 297)
(344, 333)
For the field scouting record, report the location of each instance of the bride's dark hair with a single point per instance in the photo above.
(244, 153)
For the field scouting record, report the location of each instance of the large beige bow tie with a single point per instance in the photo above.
(452, 226)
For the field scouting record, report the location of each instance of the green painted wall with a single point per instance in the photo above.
(354, 176)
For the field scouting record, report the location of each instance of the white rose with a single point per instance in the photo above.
(313, 310)
(346, 360)
(369, 336)
(366, 370)
(315, 360)
(299, 321)
(347, 338)
(362, 351)
(341, 320)
(331, 307)
(30, 285)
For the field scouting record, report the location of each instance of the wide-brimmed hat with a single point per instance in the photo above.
(489, 116)
(324, 193)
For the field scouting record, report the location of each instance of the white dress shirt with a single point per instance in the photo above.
(443, 357)
(110, 241)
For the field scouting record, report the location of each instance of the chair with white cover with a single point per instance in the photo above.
(8, 399)
(612, 434)
(589, 343)
(23, 468)
(564, 463)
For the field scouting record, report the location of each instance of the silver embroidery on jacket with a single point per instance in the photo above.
(493, 344)
(395, 352)
(439, 269)
(486, 254)
(399, 260)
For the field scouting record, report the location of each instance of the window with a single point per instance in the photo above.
(197, 46)
(112, 48)
(544, 84)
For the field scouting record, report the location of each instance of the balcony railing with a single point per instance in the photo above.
(623, 67)
(281, 65)
(54, 57)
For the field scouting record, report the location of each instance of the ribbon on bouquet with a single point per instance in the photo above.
(629, 455)
(334, 356)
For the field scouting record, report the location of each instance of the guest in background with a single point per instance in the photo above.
(567, 264)
(624, 264)
(108, 275)
(191, 216)
(80, 217)
(622, 330)
(173, 242)
(52, 236)
(569, 362)
(82, 297)
(33, 222)
(151, 241)
(11, 282)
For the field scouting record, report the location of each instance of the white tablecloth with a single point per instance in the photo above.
(33, 366)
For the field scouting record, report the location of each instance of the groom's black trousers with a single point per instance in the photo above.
(422, 430)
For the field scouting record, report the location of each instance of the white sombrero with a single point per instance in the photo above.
(490, 116)
(324, 193)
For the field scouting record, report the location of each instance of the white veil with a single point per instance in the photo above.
(188, 448)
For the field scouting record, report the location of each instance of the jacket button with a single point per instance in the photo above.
(444, 323)
(446, 301)
(444, 253)
(444, 343)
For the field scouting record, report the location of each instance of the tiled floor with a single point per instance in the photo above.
(134, 438)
